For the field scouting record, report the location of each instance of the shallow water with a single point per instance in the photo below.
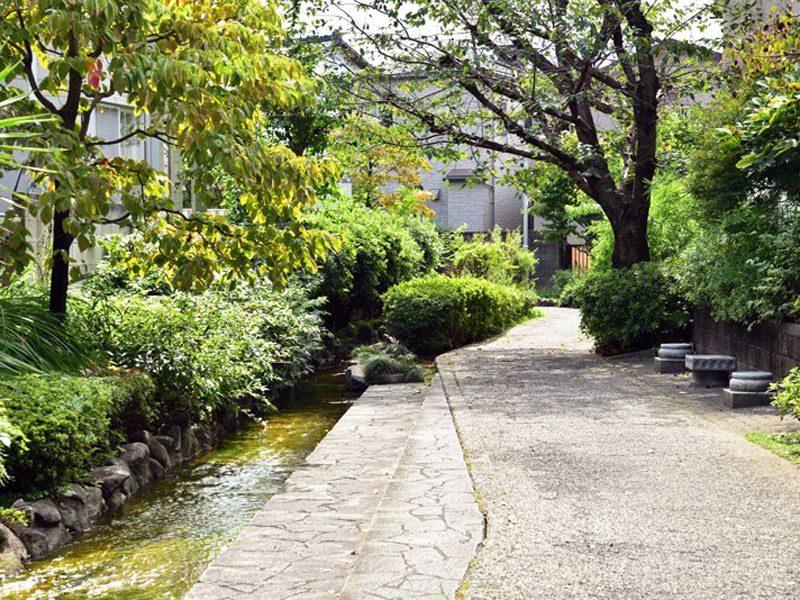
(158, 544)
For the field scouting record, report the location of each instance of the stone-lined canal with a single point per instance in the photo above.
(158, 544)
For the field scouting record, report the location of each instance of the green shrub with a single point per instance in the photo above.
(66, 424)
(432, 315)
(390, 359)
(121, 270)
(212, 351)
(787, 397)
(9, 434)
(566, 283)
(500, 260)
(134, 403)
(745, 266)
(32, 339)
(627, 309)
(379, 249)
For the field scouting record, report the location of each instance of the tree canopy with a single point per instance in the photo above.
(201, 77)
(528, 79)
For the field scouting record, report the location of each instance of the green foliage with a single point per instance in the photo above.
(743, 261)
(626, 309)
(713, 178)
(373, 155)
(500, 260)
(391, 359)
(379, 249)
(745, 266)
(785, 445)
(787, 397)
(212, 351)
(566, 283)
(769, 132)
(554, 196)
(435, 314)
(9, 434)
(14, 130)
(13, 517)
(134, 403)
(115, 273)
(199, 75)
(671, 225)
(66, 424)
(32, 339)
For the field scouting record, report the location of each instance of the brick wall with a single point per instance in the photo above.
(771, 347)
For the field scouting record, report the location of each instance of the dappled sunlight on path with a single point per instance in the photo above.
(600, 479)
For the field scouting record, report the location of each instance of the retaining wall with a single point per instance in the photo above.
(771, 347)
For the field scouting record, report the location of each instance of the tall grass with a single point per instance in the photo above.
(32, 340)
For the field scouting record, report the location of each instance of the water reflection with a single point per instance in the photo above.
(158, 544)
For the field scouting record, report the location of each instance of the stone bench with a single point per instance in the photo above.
(748, 388)
(710, 370)
(671, 358)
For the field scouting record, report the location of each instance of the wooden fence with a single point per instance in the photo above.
(579, 258)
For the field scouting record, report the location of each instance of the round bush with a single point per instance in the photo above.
(628, 309)
(379, 249)
(435, 314)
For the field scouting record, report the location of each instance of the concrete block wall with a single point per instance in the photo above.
(468, 206)
(771, 347)
(550, 256)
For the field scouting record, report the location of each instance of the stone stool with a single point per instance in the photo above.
(710, 370)
(671, 358)
(748, 388)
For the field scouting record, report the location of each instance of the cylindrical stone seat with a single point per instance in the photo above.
(750, 381)
(710, 370)
(676, 350)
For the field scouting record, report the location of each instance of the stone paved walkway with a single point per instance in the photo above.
(600, 479)
(383, 508)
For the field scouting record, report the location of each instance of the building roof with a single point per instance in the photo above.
(460, 174)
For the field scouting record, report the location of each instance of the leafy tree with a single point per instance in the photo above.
(200, 76)
(765, 63)
(513, 76)
(744, 262)
(374, 155)
(554, 196)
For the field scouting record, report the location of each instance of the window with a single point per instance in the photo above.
(133, 147)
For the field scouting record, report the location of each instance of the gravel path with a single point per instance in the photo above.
(600, 479)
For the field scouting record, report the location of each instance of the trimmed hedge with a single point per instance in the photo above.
(629, 309)
(435, 314)
(67, 424)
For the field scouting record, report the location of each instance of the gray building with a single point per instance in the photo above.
(113, 119)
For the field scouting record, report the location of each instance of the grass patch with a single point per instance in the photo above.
(785, 445)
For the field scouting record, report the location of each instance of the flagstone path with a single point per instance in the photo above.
(383, 508)
(597, 479)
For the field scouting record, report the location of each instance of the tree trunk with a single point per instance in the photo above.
(62, 240)
(630, 234)
(59, 277)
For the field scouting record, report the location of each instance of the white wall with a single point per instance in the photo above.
(104, 124)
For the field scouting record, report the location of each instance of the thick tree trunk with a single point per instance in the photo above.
(630, 235)
(59, 276)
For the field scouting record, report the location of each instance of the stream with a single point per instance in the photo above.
(158, 544)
